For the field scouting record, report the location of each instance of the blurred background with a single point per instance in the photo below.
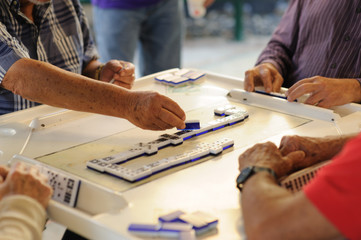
(230, 37)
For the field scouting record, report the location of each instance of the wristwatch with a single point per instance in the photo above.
(249, 171)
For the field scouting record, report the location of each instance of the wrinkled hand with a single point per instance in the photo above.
(151, 110)
(122, 73)
(268, 155)
(326, 92)
(25, 180)
(264, 74)
(315, 149)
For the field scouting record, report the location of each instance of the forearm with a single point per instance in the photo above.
(271, 212)
(259, 197)
(329, 146)
(44, 83)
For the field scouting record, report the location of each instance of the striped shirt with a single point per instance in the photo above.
(59, 35)
(317, 37)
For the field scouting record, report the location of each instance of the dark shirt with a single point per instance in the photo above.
(317, 37)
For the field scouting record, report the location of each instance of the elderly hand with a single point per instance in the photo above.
(122, 73)
(25, 180)
(326, 92)
(268, 155)
(265, 74)
(151, 110)
(315, 149)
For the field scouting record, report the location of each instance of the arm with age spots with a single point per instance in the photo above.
(270, 211)
(315, 149)
(44, 83)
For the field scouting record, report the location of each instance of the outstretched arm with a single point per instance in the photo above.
(44, 83)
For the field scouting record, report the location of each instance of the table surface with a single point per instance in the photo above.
(70, 139)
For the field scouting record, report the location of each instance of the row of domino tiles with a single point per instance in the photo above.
(132, 175)
(177, 138)
(150, 148)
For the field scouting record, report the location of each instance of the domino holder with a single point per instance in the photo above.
(88, 195)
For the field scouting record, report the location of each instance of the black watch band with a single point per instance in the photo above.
(247, 172)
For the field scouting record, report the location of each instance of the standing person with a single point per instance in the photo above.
(47, 56)
(314, 50)
(156, 26)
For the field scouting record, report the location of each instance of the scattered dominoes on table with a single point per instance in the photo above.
(169, 230)
(179, 77)
(177, 224)
(132, 175)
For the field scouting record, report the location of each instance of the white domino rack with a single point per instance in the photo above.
(76, 200)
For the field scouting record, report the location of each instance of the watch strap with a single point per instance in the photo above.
(247, 172)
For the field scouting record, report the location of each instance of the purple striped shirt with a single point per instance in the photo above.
(124, 4)
(317, 37)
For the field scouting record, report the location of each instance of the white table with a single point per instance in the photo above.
(68, 139)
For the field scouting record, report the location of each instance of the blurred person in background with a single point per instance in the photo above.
(156, 26)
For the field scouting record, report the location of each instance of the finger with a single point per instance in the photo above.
(266, 78)
(277, 82)
(4, 171)
(314, 99)
(295, 92)
(19, 167)
(325, 103)
(161, 124)
(174, 108)
(249, 81)
(171, 120)
(34, 171)
(297, 159)
(128, 69)
(123, 85)
(115, 66)
(126, 79)
(43, 178)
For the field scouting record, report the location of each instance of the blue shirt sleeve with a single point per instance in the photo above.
(10, 51)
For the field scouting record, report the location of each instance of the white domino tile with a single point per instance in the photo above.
(233, 115)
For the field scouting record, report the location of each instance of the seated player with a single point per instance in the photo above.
(314, 50)
(47, 56)
(24, 195)
(326, 208)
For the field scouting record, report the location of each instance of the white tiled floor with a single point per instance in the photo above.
(223, 56)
